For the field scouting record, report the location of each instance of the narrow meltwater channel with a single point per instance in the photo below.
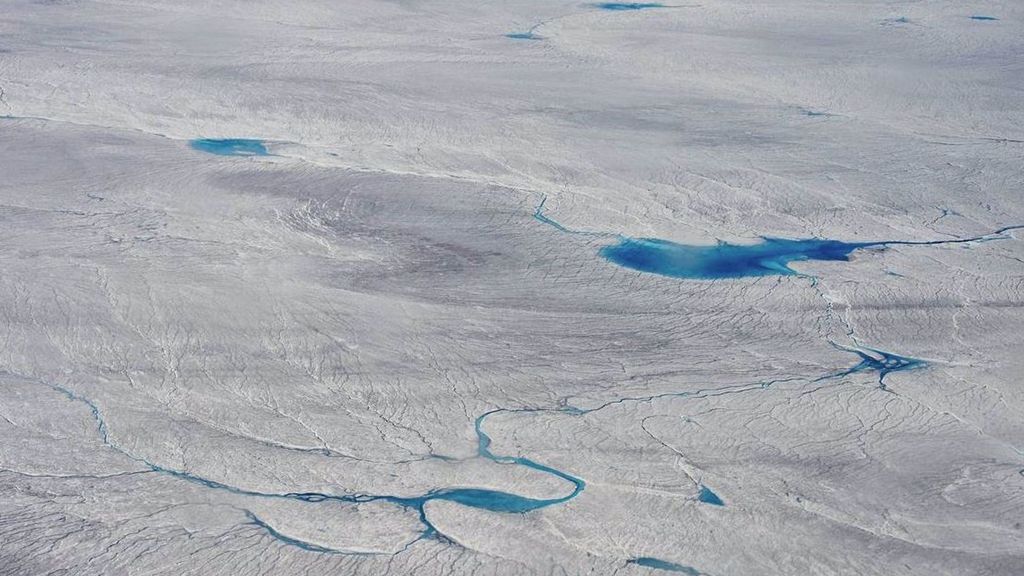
(480, 498)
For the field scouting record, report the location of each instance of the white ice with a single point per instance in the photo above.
(190, 343)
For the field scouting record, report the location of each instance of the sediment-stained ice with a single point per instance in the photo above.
(511, 288)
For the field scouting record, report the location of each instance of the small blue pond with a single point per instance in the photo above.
(482, 498)
(708, 497)
(618, 6)
(230, 146)
(884, 363)
(986, 18)
(648, 562)
(523, 36)
(769, 257)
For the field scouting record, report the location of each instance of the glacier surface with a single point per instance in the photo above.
(436, 287)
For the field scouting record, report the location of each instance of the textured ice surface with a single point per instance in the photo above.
(395, 345)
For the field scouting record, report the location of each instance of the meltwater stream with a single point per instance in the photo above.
(481, 498)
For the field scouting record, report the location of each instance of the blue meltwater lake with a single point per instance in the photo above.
(769, 257)
(230, 146)
(707, 496)
(621, 6)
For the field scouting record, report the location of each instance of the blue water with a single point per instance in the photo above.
(539, 216)
(481, 498)
(230, 146)
(484, 451)
(618, 6)
(648, 562)
(523, 36)
(708, 497)
(285, 539)
(884, 363)
(771, 256)
(989, 18)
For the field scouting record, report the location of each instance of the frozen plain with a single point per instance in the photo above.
(292, 363)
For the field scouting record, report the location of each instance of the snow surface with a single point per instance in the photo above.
(316, 287)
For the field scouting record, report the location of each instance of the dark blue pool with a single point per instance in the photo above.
(771, 256)
(618, 6)
(230, 146)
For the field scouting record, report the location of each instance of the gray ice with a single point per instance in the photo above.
(368, 351)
